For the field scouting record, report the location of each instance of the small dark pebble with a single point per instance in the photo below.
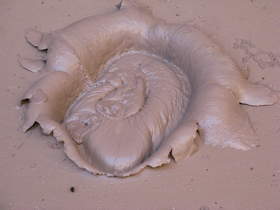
(251, 168)
(206, 169)
(72, 189)
(273, 175)
(177, 15)
(262, 78)
(42, 2)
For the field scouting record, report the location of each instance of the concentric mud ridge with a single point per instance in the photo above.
(126, 90)
(135, 102)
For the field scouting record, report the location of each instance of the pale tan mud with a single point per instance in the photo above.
(213, 178)
(109, 92)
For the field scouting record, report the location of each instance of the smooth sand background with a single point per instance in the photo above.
(35, 174)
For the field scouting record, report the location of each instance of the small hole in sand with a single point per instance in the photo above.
(25, 101)
(72, 189)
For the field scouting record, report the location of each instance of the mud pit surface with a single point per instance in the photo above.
(36, 175)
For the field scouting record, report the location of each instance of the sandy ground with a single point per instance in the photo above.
(35, 174)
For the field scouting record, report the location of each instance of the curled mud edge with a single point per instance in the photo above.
(126, 90)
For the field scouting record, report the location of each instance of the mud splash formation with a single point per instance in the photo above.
(126, 90)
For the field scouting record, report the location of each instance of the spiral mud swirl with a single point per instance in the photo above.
(126, 90)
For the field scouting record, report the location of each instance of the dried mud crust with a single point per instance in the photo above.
(126, 90)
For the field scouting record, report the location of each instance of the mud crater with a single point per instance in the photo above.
(126, 90)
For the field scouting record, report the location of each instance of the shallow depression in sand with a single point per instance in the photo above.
(126, 90)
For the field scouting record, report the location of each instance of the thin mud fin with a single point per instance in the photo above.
(48, 97)
(126, 4)
(130, 3)
(38, 39)
(33, 100)
(33, 37)
(222, 121)
(183, 142)
(119, 5)
(258, 95)
(33, 65)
